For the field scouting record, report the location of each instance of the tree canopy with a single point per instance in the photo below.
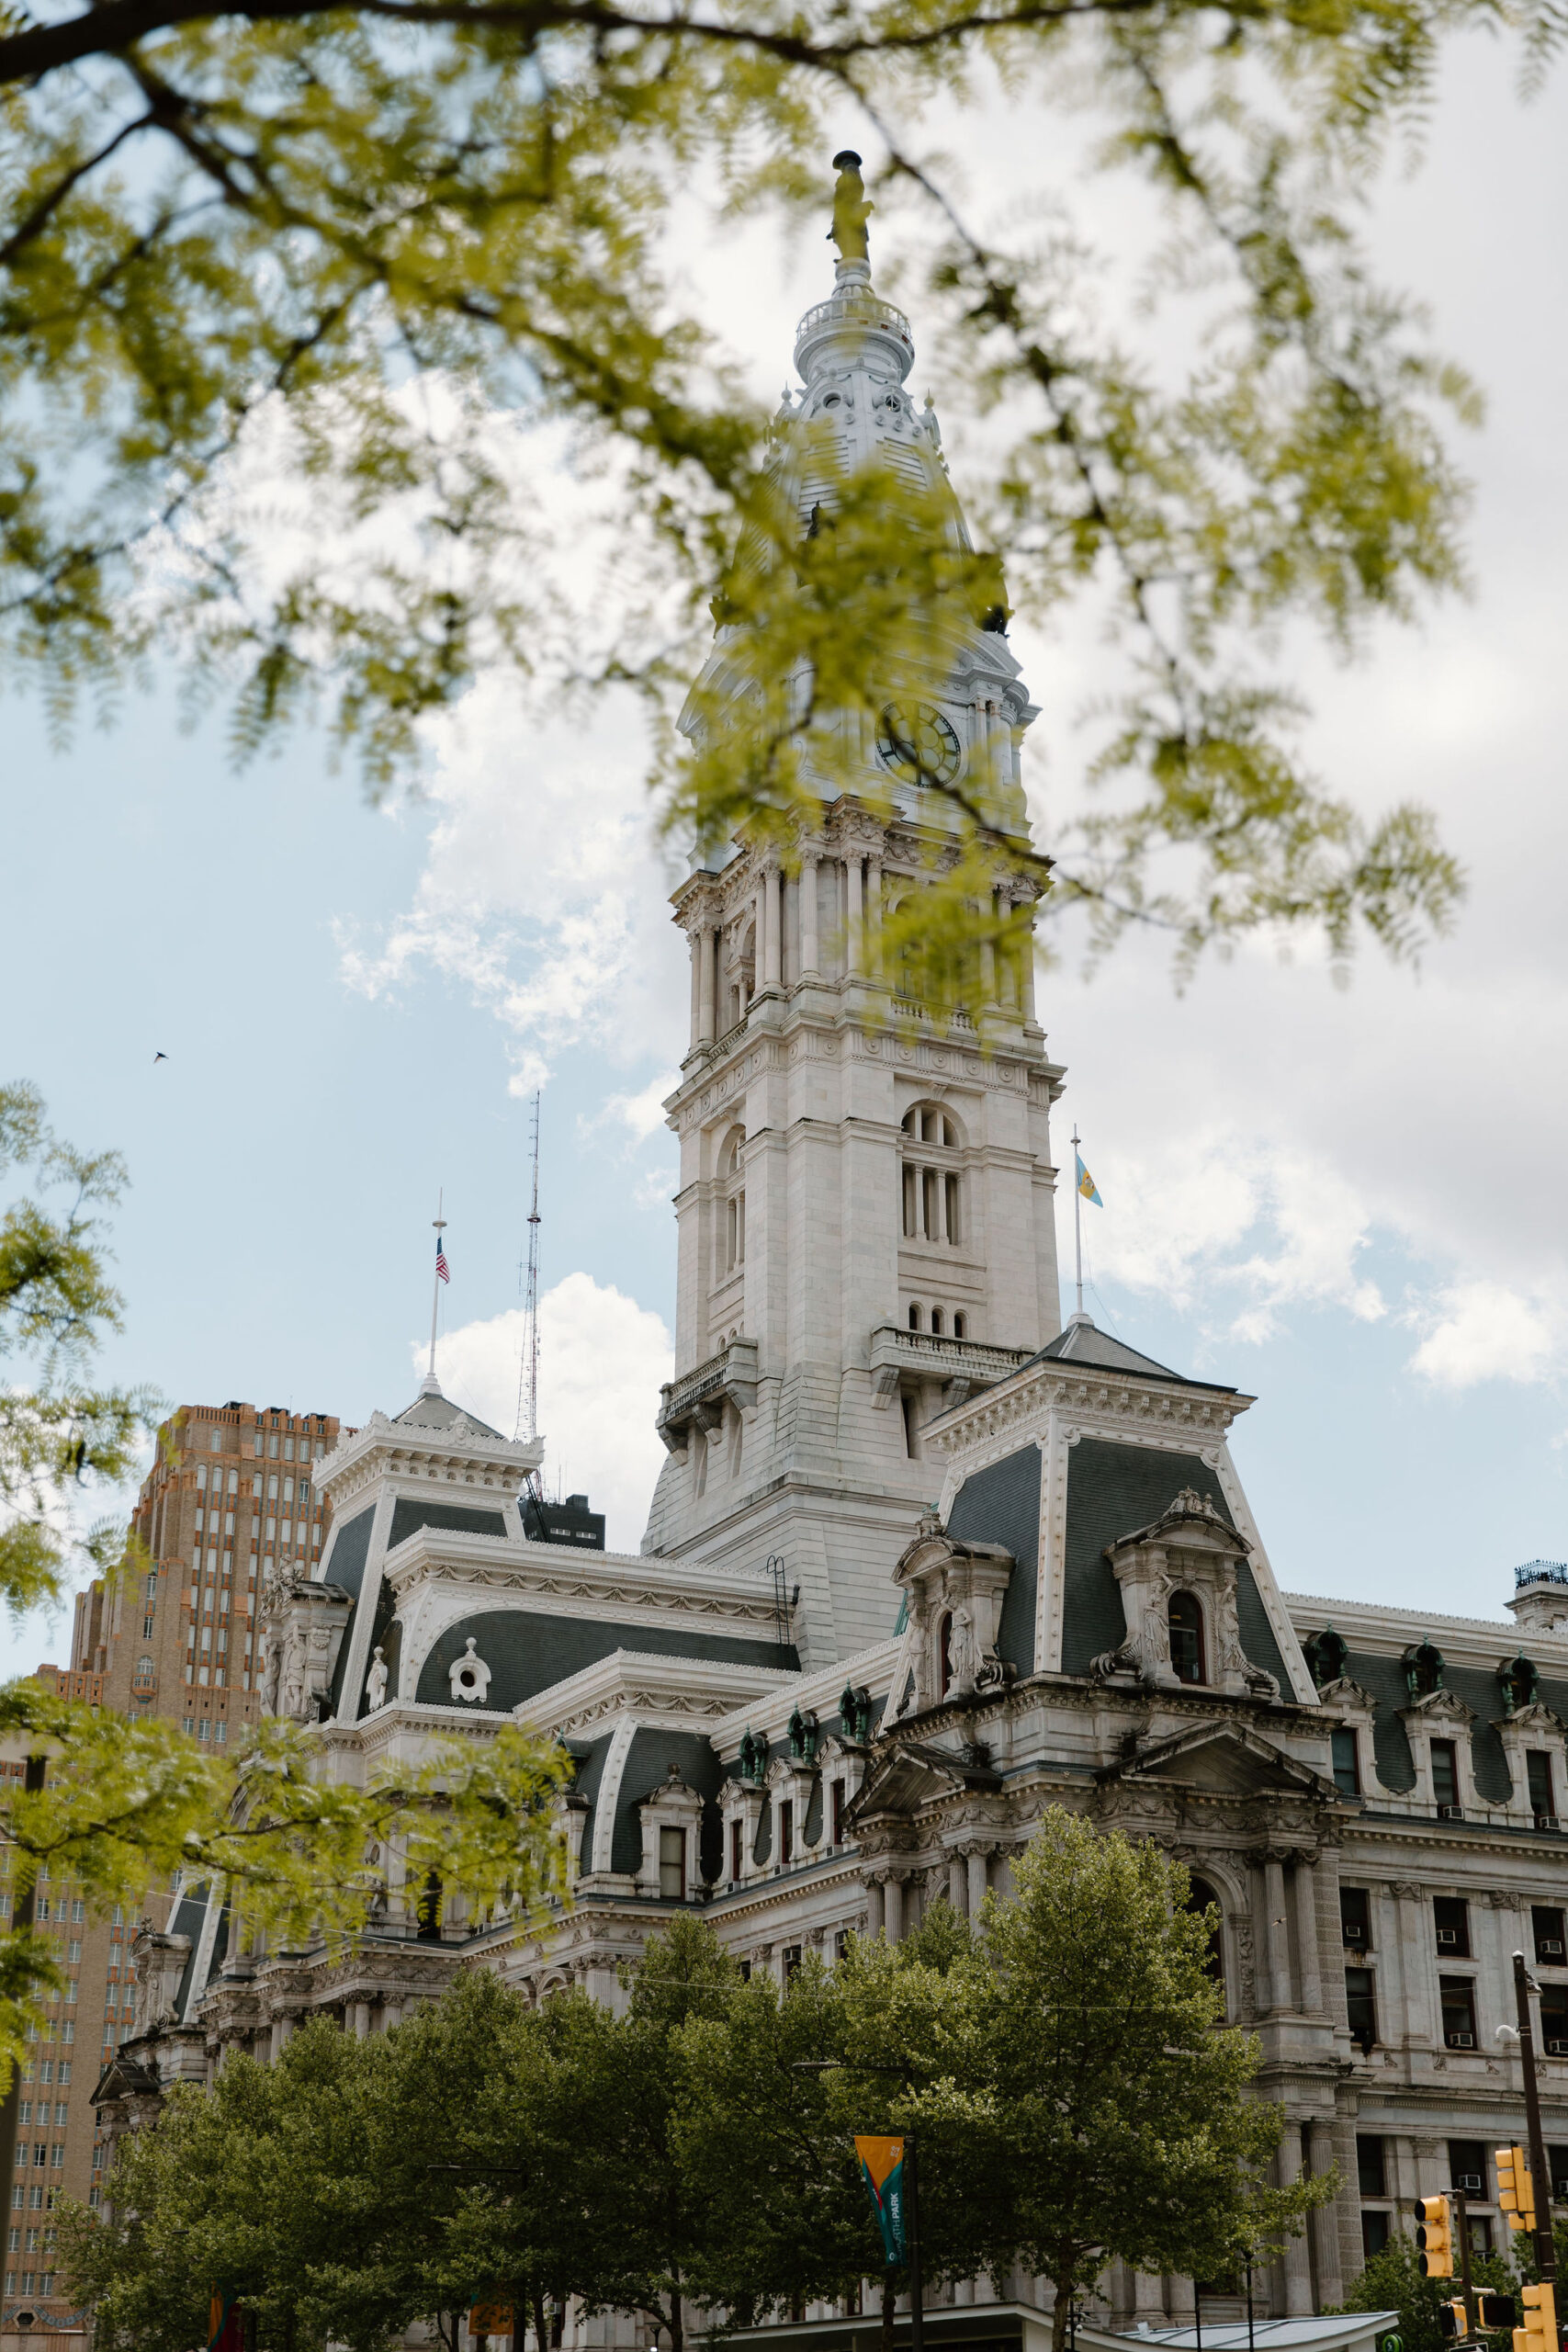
(1064, 2062)
(421, 263)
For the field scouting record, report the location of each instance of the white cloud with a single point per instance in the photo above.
(541, 890)
(602, 1360)
(1482, 1330)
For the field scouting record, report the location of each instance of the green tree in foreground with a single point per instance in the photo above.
(1391, 2281)
(284, 287)
(1076, 2095)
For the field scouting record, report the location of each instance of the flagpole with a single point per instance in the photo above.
(440, 1224)
(1078, 1221)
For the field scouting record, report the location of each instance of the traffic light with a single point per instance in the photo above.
(1515, 2190)
(1538, 2333)
(1435, 2236)
(1453, 2321)
(1495, 2311)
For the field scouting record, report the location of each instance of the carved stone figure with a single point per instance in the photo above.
(376, 1680)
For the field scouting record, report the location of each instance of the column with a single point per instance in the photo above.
(893, 1909)
(989, 994)
(873, 917)
(772, 908)
(978, 1861)
(875, 1909)
(957, 1884)
(1325, 2221)
(1148, 2296)
(1306, 1939)
(1278, 1936)
(808, 965)
(707, 943)
(1184, 2303)
(695, 941)
(1026, 975)
(854, 956)
(1297, 2263)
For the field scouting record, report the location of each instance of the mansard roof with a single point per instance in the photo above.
(529, 1652)
(1083, 1343)
(431, 1411)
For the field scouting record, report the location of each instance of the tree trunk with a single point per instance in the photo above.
(1062, 2316)
(541, 2340)
(888, 2299)
(677, 2324)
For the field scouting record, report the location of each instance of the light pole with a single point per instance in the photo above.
(1545, 2244)
(911, 2188)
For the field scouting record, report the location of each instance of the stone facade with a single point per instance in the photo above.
(1017, 1569)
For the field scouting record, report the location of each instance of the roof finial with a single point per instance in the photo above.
(851, 208)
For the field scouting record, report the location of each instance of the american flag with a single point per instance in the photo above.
(443, 1272)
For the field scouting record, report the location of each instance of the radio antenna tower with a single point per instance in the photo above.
(528, 1370)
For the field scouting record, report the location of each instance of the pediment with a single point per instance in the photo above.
(1537, 1717)
(1444, 1706)
(916, 1774)
(1223, 1760)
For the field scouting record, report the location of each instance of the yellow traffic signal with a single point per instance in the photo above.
(1435, 2236)
(1515, 2190)
(1538, 2333)
(1453, 2321)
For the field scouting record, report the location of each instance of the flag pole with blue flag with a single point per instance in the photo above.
(1083, 1190)
(442, 1274)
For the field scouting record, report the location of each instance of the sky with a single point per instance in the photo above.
(1348, 1202)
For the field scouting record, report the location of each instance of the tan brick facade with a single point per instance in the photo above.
(233, 1491)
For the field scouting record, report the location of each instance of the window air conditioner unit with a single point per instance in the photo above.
(1451, 1813)
(1546, 1821)
(1446, 1939)
(1557, 2049)
(1353, 1934)
(1548, 1945)
(1471, 2182)
(1461, 2040)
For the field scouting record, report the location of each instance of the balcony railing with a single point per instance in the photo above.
(1541, 1572)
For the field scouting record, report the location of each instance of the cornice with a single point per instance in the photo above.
(669, 1692)
(820, 1690)
(1383, 1625)
(1108, 1400)
(429, 1459)
(624, 1586)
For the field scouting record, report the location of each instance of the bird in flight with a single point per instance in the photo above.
(159, 1057)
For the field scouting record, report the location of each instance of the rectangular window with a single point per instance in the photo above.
(1458, 1996)
(1557, 2166)
(838, 1813)
(1537, 1772)
(1546, 1920)
(672, 1864)
(1374, 2233)
(1369, 2171)
(1361, 2006)
(791, 1961)
(1451, 1916)
(1554, 2020)
(786, 1831)
(1445, 1772)
(841, 1944)
(1347, 1762)
(736, 1830)
(1356, 1918)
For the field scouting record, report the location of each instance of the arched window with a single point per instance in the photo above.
(960, 1327)
(731, 1251)
(945, 1652)
(914, 1315)
(1185, 1616)
(932, 1174)
(936, 1321)
(1201, 1897)
(143, 1669)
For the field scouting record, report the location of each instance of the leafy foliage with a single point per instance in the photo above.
(1073, 2093)
(60, 1437)
(370, 252)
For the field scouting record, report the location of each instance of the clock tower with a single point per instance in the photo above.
(866, 1210)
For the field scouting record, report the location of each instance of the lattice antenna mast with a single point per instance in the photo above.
(529, 1371)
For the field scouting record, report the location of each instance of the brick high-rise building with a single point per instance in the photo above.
(230, 1498)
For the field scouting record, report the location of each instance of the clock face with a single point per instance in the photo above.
(918, 744)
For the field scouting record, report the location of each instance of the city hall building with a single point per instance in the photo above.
(920, 1562)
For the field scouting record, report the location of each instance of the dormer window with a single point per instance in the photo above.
(1186, 1617)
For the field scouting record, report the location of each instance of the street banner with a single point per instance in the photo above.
(882, 2169)
(489, 2319)
(225, 2323)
